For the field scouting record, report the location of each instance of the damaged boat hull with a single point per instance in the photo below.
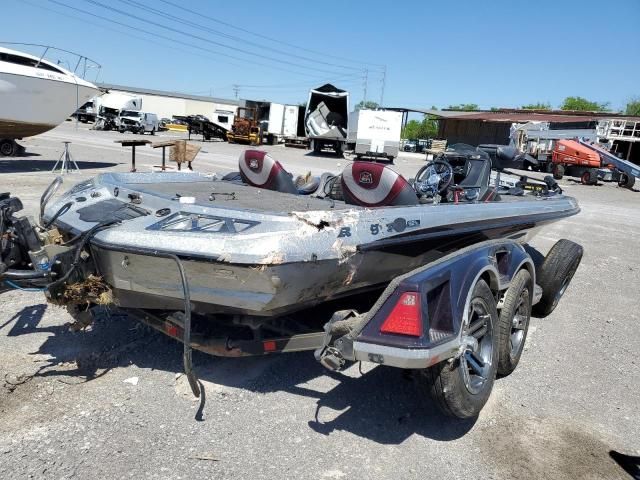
(241, 257)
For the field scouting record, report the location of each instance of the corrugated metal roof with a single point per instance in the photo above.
(428, 111)
(162, 93)
(518, 116)
(553, 116)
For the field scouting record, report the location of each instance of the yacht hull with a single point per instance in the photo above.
(35, 100)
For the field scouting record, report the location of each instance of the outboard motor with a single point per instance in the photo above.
(17, 239)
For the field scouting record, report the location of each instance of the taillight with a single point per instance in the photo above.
(406, 316)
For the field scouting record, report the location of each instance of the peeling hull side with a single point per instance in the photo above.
(145, 281)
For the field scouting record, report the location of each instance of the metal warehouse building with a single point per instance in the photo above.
(477, 127)
(167, 104)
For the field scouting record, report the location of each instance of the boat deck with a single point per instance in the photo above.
(231, 195)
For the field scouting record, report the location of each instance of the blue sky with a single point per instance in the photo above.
(492, 53)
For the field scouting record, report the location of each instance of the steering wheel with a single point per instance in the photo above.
(435, 177)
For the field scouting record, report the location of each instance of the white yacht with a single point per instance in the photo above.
(37, 95)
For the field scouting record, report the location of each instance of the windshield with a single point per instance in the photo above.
(130, 113)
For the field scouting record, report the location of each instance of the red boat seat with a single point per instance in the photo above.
(259, 169)
(374, 185)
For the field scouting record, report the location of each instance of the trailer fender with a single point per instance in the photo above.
(443, 288)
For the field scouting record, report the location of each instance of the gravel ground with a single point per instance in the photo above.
(110, 401)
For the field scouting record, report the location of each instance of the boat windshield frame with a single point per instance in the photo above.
(83, 64)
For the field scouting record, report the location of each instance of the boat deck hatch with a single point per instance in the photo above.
(111, 209)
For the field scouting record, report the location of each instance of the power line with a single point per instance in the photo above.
(343, 81)
(122, 32)
(203, 39)
(199, 14)
(159, 35)
(190, 23)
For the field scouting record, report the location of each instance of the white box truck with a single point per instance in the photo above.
(270, 117)
(375, 133)
(293, 127)
(326, 118)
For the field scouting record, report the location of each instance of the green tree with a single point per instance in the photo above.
(425, 128)
(537, 106)
(583, 105)
(633, 107)
(367, 105)
(465, 107)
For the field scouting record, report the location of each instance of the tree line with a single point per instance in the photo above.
(428, 126)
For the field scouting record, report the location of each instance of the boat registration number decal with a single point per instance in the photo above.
(398, 225)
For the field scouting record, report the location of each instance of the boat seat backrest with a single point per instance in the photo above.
(478, 172)
(374, 185)
(321, 191)
(259, 169)
(476, 183)
(506, 153)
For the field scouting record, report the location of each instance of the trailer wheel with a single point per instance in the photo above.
(626, 181)
(8, 148)
(339, 149)
(589, 177)
(461, 387)
(514, 321)
(555, 274)
(558, 171)
(548, 167)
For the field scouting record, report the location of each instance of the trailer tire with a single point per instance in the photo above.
(626, 181)
(339, 152)
(514, 321)
(558, 171)
(548, 167)
(555, 274)
(450, 383)
(8, 148)
(589, 177)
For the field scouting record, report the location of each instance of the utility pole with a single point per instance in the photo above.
(366, 81)
(384, 78)
(236, 89)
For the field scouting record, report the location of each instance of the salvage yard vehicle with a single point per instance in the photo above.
(622, 171)
(245, 128)
(375, 134)
(434, 277)
(571, 158)
(201, 125)
(326, 118)
(590, 162)
(139, 122)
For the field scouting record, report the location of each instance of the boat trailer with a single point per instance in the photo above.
(455, 322)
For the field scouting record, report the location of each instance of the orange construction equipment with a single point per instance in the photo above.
(571, 158)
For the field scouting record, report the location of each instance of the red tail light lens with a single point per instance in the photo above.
(406, 317)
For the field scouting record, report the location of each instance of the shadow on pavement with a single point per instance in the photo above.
(21, 165)
(381, 404)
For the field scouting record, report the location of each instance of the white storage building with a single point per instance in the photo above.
(167, 104)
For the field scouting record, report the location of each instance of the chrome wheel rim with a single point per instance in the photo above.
(477, 359)
(519, 323)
